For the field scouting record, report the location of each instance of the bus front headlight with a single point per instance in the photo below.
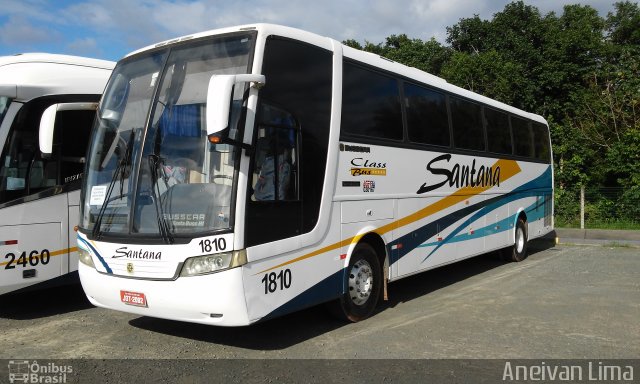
(202, 265)
(85, 257)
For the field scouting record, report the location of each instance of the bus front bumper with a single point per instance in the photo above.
(214, 299)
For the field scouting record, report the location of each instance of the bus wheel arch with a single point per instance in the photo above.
(364, 280)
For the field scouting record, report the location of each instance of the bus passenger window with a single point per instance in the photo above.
(468, 132)
(370, 104)
(498, 131)
(427, 119)
(541, 142)
(522, 136)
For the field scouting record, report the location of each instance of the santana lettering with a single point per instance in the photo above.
(461, 176)
(137, 254)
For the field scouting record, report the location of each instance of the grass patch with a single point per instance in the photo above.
(615, 244)
(600, 224)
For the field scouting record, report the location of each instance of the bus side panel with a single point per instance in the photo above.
(291, 281)
(470, 236)
(33, 242)
(497, 229)
(539, 215)
(416, 239)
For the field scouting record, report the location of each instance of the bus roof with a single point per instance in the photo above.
(358, 55)
(26, 76)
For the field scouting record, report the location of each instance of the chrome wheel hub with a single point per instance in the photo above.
(519, 239)
(360, 282)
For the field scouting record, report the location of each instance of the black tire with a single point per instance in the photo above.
(363, 273)
(518, 251)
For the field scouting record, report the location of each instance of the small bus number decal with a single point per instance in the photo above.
(33, 259)
(272, 281)
(217, 244)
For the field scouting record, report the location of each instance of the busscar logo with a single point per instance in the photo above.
(354, 148)
(365, 167)
(69, 179)
(24, 371)
(460, 175)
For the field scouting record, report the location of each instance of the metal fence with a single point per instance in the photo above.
(607, 208)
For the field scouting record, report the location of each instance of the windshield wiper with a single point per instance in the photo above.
(155, 162)
(119, 173)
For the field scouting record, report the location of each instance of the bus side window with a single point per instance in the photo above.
(275, 165)
(291, 135)
(23, 171)
(72, 132)
(20, 152)
(522, 137)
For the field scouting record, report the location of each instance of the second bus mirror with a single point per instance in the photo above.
(48, 122)
(220, 96)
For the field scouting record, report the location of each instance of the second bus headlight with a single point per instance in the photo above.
(201, 265)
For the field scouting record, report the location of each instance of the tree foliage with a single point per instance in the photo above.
(578, 69)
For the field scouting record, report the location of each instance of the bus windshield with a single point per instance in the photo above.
(4, 105)
(152, 171)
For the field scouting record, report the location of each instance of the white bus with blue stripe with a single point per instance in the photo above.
(240, 174)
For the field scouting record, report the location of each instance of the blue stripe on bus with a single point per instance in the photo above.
(326, 290)
(333, 286)
(95, 252)
(414, 239)
(525, 190)
(533, 214)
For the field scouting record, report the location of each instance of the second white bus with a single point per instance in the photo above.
(240, 174)
(40, 191)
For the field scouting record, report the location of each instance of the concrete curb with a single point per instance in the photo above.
(598, 236)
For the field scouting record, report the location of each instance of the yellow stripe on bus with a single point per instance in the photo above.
(51, 254)
(508, 169)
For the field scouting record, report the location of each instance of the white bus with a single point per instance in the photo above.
(40, 192)
(240, 174)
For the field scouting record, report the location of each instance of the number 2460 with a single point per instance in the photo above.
(32, 259)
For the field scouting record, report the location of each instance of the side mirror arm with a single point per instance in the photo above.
(219, 96)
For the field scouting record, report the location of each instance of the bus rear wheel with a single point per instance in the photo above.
(518, 251)
(363, 282)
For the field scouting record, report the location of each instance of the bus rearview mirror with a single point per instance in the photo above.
(48, 122)
(220, 96)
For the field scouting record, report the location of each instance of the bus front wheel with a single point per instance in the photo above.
(363, 282)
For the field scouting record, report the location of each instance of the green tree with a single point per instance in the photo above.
(577, 69)
(428, 56)
(487, 73)
(623, 26)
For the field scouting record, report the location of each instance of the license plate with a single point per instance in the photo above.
(133, 298)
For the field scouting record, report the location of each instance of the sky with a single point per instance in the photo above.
(109, 29)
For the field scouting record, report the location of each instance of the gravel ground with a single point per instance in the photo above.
(563, 302)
